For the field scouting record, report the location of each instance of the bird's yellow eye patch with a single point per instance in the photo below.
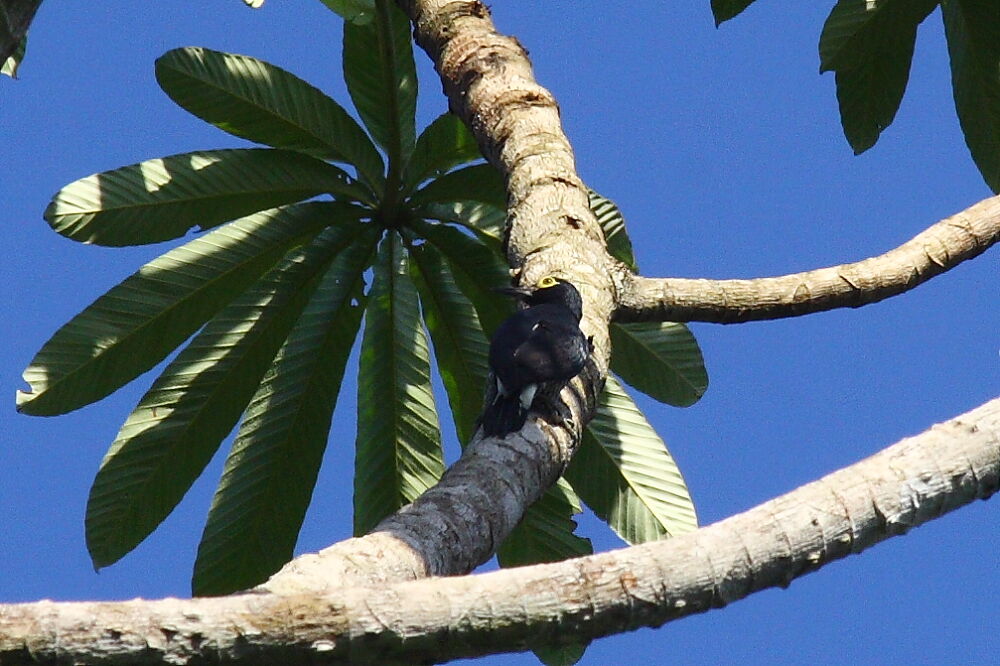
(546, 282)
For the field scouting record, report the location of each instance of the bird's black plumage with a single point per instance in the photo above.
(539, 344)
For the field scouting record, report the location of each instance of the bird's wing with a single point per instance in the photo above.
(540, 352)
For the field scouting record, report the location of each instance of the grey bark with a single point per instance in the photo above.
(935, 250)
(364, 600)
(914, 481)
(460, 522)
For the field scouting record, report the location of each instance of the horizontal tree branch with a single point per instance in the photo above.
(914, 481)
(932, 252)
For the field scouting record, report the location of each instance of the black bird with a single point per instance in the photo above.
(538, 344)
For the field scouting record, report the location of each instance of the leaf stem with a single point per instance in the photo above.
(394, 149)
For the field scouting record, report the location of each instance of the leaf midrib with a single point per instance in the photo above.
(450, 331)
(307, 283)
(638, 490)
(296, 241)
(672, 366)
(332, 151)
(154, 205)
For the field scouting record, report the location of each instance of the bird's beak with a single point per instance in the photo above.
(516, 292)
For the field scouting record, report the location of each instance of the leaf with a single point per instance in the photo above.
(477, 269)
(178, 425)
(613, 224)
(973, 33)
(563, 655)
(271, 470)
(479, 182)
(870, 46)
(254, 4)
(486, 220)
(474, 197)
(625, 474)
(136, 324)
(398, 452)
(443, 145)
(382, 79)
(545, 534)
(161, 199)
(661, 359)
(13, 61)
(355, 11)
(261, 102)
(723, 10)
(460, 346)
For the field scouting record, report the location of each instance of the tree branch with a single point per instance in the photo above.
(460, 522)
(931, 252)
(905, 485)
(347, 604)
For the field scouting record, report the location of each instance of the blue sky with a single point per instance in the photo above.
(722, 147)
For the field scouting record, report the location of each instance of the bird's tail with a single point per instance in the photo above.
(503, 416)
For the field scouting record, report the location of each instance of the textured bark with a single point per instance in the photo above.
(453, 527)
(360, 601)
(460, 522)
(932, 252)
(907, 484)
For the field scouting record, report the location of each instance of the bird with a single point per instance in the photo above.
(538, 344)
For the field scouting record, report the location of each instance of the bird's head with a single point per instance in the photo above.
(550, 289)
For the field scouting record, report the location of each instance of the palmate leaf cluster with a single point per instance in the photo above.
(335, 230)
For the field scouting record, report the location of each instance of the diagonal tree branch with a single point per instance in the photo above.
(487, 76)
(931, 252)
(460, 522)
(914, 481)
(347, 604)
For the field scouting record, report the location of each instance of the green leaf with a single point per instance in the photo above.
(161, 199)
(460, 346)
(870, 46)
(479, 182)
(13, 61)
(723, 10)
(478, 271)
(136, 324)
(973, 33)
(258, 101)
(355, 11)
(180, 422)
(563, 655)
(486, 220)
(382, 79)
(613, 224)
(474, 197)
(398, 452)
(625, 474)
(545, 534)
(445, 144)
(271, 470)
(661, 359)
